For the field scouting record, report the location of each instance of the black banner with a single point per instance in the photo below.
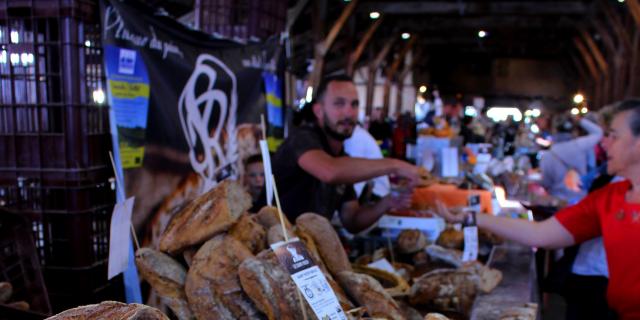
(205, 97)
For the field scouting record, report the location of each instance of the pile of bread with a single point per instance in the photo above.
(214, 262)
(6, 293)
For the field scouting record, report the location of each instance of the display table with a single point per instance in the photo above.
(518, 286)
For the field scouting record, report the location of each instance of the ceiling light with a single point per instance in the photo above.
(578, 98)
(98, 96)
(482, 33)
(575, 111)
(423, 89)
(406, 35)
(584, 110)
(374, 15)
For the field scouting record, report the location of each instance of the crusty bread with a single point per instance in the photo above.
(189, 253)
(6, 290)
(268, 217)
(411, 241)
(445, 289)
(450, 256)
(274, 234)
(250, 233)
(392, 283)
(167, 277)
(20, 305)
(488, 278)
(451, 239)
(368, 292)
(435, 316)
(111, 310)
(213, 287)
(211, 213)
(409, 312)
(271, 288)
(327, 241)
(527, 312)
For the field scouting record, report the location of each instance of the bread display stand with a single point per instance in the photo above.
(518, 287)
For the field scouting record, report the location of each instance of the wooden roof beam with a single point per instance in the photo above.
(474, 8)
(356, 54)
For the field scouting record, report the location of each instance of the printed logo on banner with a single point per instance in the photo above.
(207, 109)
(127, 61)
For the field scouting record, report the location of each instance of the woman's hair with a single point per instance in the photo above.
(632, 105)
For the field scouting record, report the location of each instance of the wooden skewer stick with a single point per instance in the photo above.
(120, 182)
(263, 125)
(280, 214)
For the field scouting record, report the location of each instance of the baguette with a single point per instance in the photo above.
(167, 277)
(210, 214)
(368, 292)
(327, 241)
(213, 288)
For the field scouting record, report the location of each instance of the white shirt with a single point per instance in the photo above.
(362, 145)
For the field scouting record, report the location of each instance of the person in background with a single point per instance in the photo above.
(612, 212)
(380, 128)
(254, 176)
(362, 145)
(313, 174)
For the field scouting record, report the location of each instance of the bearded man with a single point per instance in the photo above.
(313, 174)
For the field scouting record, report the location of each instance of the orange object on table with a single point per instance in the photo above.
(450, 195)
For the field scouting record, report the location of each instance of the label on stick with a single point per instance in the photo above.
(293, 255)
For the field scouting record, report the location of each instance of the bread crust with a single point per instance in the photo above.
(368, 292)
(211, 213)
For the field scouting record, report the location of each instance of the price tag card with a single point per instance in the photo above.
(120, 237)
(293, 255)
(470, 230)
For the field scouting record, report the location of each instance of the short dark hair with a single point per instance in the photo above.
(632, 105)
(324, 83)
(253, 159)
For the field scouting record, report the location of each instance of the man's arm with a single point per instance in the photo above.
(356, 218)
(545, 234)
(334, 170)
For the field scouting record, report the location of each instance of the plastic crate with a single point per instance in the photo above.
(244, 19)
(51, 86)
(19, 263)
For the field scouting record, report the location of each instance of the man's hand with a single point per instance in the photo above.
(398, 201)
(452, 216)
(408, 171)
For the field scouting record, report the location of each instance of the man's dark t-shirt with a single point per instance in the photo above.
(299, 191)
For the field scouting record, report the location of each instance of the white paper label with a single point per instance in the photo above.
(293, 255)
(266, 162)
(120, 237)
(470, 243)
(382, 264)
(450, 162)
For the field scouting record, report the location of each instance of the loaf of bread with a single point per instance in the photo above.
(451, 239)
(213, 286)
(189, 253)
(327, 241)
(368, 292)
(6, 290)
(271, 288)
(527, 312)
(445, 289)
(488, 278)
(450, 256)
(268, 217)
(411, 241)
(250, 233)
(167, 277)
(274, 235)
(20, 305)
(409, 312)
(209, 214)
(435, 316)
(111, 310)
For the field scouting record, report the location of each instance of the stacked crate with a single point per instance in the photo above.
(54, 142)
(241, 19)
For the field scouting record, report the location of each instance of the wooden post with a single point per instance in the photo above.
(391, 72)
(403, 75)
(321, 48)
(634, 8)
(618, 74)
(355, 55)
(373, 67)
(586, 57)
(633, 68)
(601, 62)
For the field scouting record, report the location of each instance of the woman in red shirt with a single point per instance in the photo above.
(612, 212)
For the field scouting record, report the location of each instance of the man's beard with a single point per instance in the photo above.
(335, 134)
